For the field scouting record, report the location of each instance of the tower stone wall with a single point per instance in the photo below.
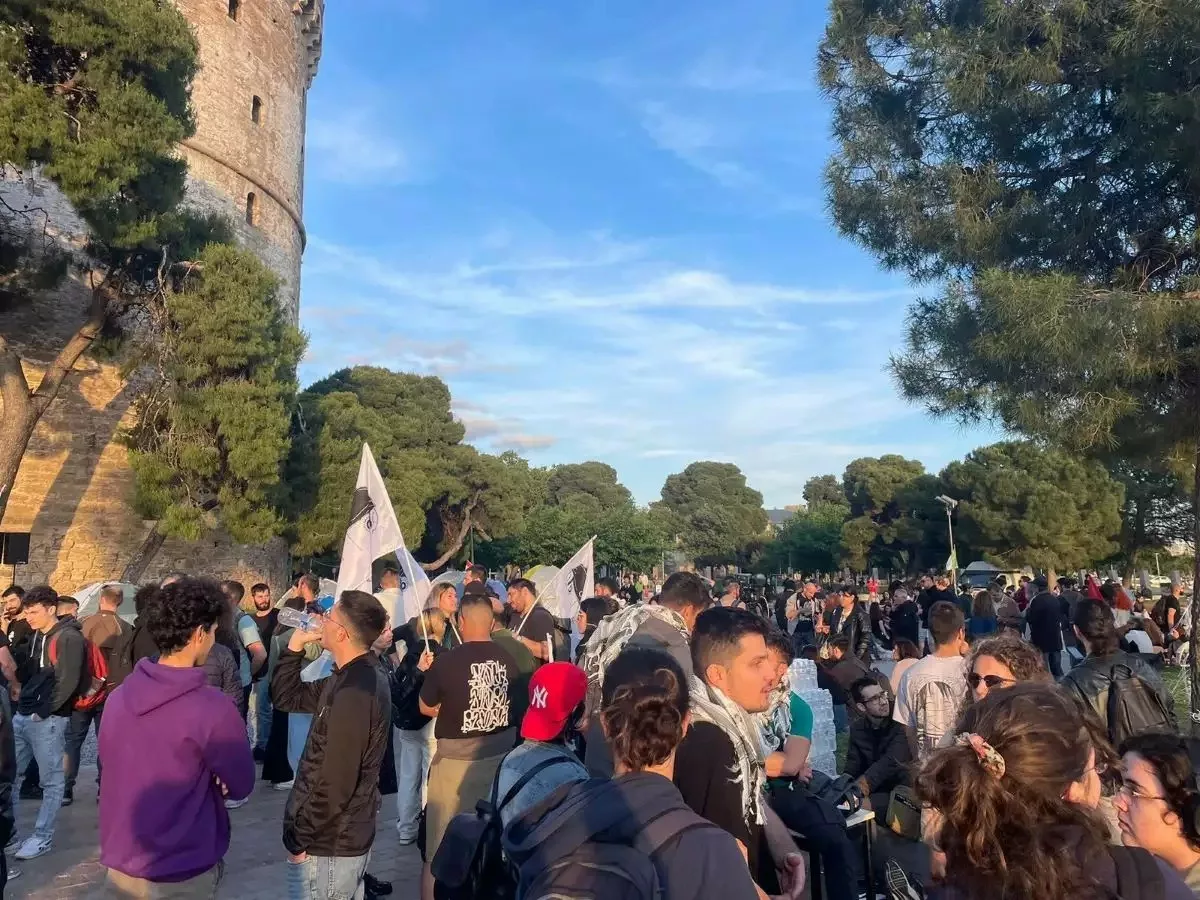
(74, 487)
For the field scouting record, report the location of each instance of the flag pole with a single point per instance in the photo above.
(424, 629)
(542, 592)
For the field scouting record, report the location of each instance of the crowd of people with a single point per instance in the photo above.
(1023, 746)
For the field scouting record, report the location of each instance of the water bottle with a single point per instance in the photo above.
(294, 618)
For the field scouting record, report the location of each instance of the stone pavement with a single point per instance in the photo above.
(255, 866)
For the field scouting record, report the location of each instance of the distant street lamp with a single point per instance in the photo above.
(950, 503)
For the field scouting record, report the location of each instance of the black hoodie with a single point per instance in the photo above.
(56, 671)
(700, 863)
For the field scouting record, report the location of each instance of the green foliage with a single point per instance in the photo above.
(437, 484)
(626, 537)
(212, 432)
(895, 521)
(590, 486)
(810, 541)
(1022, 505)
(712, 511)
(1156, 512)
(824, 489)
(96, 94)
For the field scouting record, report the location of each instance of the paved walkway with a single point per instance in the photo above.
(255, 867)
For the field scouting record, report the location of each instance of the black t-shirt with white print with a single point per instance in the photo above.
(472, 685)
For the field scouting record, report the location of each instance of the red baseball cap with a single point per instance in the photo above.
(554, 692)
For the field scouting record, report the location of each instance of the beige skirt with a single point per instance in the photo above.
(455, 786)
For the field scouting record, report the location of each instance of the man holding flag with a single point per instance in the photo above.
(529, 621)
(532, 614)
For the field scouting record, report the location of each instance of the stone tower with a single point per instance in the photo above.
(246, 162)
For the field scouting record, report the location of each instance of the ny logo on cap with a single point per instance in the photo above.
(540, 698)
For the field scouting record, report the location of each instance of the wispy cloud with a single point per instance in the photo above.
(349, 148)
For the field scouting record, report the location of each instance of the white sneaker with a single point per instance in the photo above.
(285, 785)
(33, 848)
(236, 804)
(13, 874)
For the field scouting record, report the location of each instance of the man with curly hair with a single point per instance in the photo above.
(174, 748)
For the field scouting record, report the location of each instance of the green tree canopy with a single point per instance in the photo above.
(810, 541)
(1022, 505)
(626, 537)
(95, 95)
(441, 488)
(592, 486)
(824, 489)
(894, 520)
(712, 511)
(212, 432)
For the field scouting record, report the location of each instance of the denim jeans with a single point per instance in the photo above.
(298, 725)
(45, 741)
(260, 713)
(327, 878)
(77, 730)
(414, 751)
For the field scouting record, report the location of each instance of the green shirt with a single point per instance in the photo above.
(802, 717)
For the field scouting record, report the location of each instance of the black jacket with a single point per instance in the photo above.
(879, 754)
(331, 809)
(1044, 616)
(1089, 681)
(857, 629)
(406, 679)
(8, 772)
(55, 673)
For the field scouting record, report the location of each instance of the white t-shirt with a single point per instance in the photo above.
(929, 697)
(1141, 640)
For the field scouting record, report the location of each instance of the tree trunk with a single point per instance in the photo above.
(1194, 639)
(145, 554)
(456, 544)
(23, 408)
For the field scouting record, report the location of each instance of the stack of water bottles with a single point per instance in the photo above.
(823, 755)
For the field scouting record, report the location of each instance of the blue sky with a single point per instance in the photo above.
(603, 224)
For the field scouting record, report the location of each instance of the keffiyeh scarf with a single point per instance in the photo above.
(775, 725)
(614, 632)
(711, 706)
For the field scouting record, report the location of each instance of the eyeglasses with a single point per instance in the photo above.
(875, 698)
(992, 681)
(1134, 791)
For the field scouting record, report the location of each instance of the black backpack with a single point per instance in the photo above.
(1134, 706)
(469, 863)
(572, 863)
(1138, 875)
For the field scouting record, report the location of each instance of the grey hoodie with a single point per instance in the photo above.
(701, 863)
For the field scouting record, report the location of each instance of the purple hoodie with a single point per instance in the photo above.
(166, 737)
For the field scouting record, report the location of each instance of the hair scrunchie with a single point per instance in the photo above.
(989, 758)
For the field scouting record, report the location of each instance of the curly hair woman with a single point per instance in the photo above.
(645, 715)
(1158, 805)
(1017, 795)
(1000, 662)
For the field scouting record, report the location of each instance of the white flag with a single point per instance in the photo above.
(574, 583)
(414, 585)
(373, 533)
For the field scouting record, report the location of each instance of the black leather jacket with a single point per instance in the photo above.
(1089, 681)
(331, 809)
(857, 629)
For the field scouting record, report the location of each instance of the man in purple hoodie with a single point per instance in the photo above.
(173, 749)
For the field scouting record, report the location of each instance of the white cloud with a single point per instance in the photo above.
(350, 148)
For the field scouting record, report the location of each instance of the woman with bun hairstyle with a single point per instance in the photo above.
(644, 714)
(1017, 794)
(1158, 805)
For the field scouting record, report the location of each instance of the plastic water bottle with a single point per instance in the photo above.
(294, 618)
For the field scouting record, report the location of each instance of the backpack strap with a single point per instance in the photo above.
(667, 826)
(522, 781)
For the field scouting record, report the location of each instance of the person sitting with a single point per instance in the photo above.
(1017, 795)
(556, 695)
(844, 669)
(644, 716)
(879, 754)
(1159, 801)
(905, 653)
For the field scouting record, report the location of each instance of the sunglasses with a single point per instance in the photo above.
(992, 681)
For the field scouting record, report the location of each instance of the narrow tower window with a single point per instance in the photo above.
(256, 110)
(235, 7)
(251, 209)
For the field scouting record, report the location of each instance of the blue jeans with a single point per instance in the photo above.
(327, 878)
(260, 708)
(45, 741)
(298, 725)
